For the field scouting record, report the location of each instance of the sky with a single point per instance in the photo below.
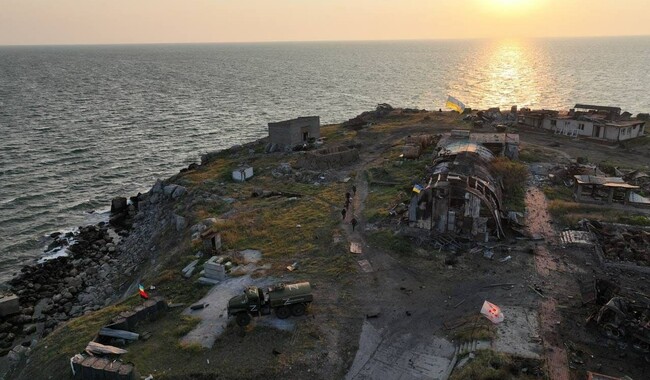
(29, 22)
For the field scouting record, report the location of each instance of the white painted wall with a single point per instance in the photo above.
(242, 174)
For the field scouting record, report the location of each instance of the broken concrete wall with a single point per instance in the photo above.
(329, 158)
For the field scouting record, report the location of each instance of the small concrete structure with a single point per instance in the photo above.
(295, 132)
(598, 185)
(213, 271)
(9, 305)
(242, 173)
(211, 241)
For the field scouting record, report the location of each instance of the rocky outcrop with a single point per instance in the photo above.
(64, 287)
(98, 268)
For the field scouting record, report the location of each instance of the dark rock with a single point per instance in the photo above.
(118, 204)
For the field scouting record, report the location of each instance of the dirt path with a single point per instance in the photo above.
(399, 343)
(546, 264)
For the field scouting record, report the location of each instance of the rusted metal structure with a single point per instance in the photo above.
(463, 196)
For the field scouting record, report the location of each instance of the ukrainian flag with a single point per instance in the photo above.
(455, 104)
(417, 189)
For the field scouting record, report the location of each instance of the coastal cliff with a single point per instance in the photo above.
(290, 214)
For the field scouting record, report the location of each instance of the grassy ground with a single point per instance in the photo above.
(569, 213)
(285, 230)
(491, 365)
(53, 354)
(474, 327)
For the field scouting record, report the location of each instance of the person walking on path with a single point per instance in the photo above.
(354, 223)
(354, 189)
(347, 203)
(347, 196)
(343, 212)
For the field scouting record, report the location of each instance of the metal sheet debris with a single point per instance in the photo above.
(577, 237)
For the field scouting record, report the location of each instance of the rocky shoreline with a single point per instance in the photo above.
(103, 263)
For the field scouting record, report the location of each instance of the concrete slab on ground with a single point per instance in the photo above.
(400, 356)
(214, 317)
(519, 332)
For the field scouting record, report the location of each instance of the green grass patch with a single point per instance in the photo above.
(569, 213)
(513, 175)
(492, 365)
(380, 200)
(52, 354)
(635, 220)
(388, 240)
(558, 192)
(475, 327)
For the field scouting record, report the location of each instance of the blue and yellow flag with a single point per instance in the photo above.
(455, 104)
(417, 189)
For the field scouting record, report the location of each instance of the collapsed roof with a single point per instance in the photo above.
(463, 196)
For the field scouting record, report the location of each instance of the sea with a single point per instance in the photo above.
(80, 125)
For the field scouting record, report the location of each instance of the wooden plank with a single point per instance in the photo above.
(121, 334)
(355, 247)
(98, 348)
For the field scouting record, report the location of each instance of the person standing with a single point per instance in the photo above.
(354, 189)
(343, 212)
(354, 223)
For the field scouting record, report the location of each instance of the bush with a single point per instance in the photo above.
(513, 175)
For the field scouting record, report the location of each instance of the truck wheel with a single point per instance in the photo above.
(243, 319)
(298, 309)
(282, 312)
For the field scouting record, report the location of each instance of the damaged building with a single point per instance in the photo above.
(463, 196)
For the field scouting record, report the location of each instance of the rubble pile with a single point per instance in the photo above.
(637, 178)
(624, 243)
(564, 174)
(492, 117)
(622, 317)
(381, 111)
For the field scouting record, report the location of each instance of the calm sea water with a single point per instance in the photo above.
(81, 124)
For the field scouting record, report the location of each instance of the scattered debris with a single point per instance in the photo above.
(189, 269)
(292, 267)
(365, 266)
(492, 312)
(355, 247)
(536, 291)
(199, 306)
(120, 334)
(101, 349)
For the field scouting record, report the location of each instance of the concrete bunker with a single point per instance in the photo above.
(463, 197)
(288, 134)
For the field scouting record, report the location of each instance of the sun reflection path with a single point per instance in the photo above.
(503, 74)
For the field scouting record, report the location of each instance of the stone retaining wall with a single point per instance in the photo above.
(328, 158)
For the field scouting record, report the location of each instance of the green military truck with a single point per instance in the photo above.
(284, 299)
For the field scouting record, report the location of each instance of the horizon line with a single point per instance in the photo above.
(317, 41)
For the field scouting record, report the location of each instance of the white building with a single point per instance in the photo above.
(604, 123)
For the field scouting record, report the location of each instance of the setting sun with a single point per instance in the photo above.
(511, 7)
